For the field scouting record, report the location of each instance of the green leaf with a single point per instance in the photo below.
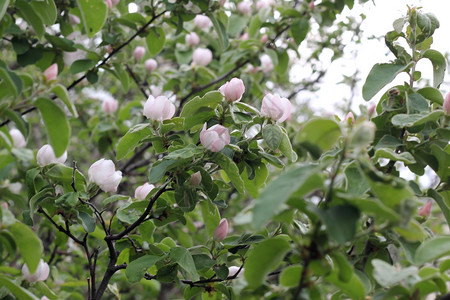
(62, 94)
(354, 288)
(136, 269)
(15, 289)
(341, 222)
(185, 153)
(345, 269)
(82, 65)
(440, 200)
(87, 221)
(31, 16)
(44, 289)
(322, 133)
(155, 40)
(299, 29)
(416, 104)
(387, 275)
(290, 276)
(404, 120)
(46, 11)
(210, 215)
(184, 258)
(254, 26)
(93, 15)
(432, 249)
(131, 139)
(7, 82)
(159, 169)
(3, 7)
(30, 246)
(373, 207)
(198, 105)
(379, 76)
(272, 135)
(439, 66)
(279, 190)
(432, 94)
(220, 30)
(55, 121)
(228, 165)
(388, 153)
(264, 258)
(18, 120)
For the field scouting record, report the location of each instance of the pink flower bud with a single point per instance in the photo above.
(233, 90)
(371, 109)
(5, 205)
(425, 210)
(311, 5)
(44, 298)
(446, 105)
(40, 274)
(261, 4)
(142, 191)
(115, 2)
(215, 138)
(266, 63)
(51, 73)
(110, 105)
(159, 108)
(192, 39)
(251, 69)
(202, 56)
(222, 2)
(108, 3)
(276, 108)
(233, 270)
(244, 7)
(139, 52)
(74, 20)
(264, 38)
(221, 231)
(103, 173)
(244, 36)
(155, 90)
(202, 22)
(196, 178)
(150, 64)
(46, 156)
(349, 118)
(18, 138)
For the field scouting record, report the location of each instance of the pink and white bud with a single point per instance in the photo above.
(108, 3)
(349, 118)
(311, 5)
(159, 108)
(261, 4)
(196, 178)
(115, 2)
(266, 63)
(221, 231)
(215, 138)
(233, 270)
(276, 108)
(202, 57)
(155, 90)
(18, 138)
(74, 20)
(46, 156)
(150, 64)
(192, 39)
(425, 210)
(244, 36)
(446, 105)
(41, 273)
(202, 22)
(142, 191)
(264, 38)
(51, 73)
(5, 205)
(44, 298)
(110, 105)
(222, 2)
(252, 69)
(103, 173)
(233, 90)
(139, 52)
(244, 7)
(371, 109)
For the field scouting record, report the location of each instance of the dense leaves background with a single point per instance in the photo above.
(316, 209)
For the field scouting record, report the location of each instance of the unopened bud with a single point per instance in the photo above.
(150, 64)
(349, 119)
(40, 274)
(221, 231)
(196, 178)
(51, 73)
(425, 210)
(142, 191)
(139, 52)
(233, 270)
(446, 105)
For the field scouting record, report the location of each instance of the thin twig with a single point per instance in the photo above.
(136, 80)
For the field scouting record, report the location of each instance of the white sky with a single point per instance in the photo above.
(379, 19)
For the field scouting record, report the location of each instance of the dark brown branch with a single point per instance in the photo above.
(101, 63)
(307, 85)
(136, 80)
(59, 227)
(135, 157)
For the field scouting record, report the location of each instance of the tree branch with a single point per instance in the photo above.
(136, 81)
